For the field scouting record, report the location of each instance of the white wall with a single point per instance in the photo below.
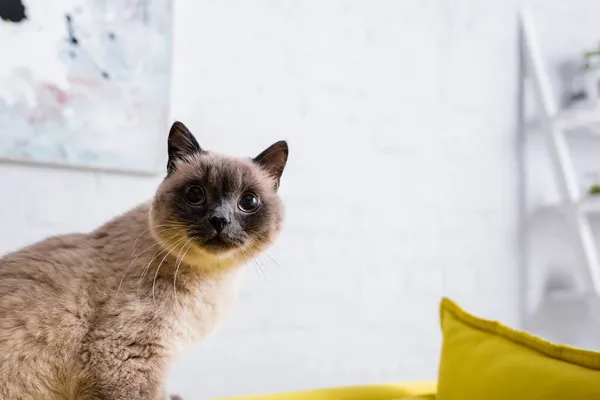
(401, 185)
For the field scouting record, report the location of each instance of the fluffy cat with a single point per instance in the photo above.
(101, 315)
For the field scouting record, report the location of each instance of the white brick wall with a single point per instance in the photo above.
(401, 185)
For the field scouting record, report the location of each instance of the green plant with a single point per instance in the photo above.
(591, 58)
(593, 53)
(594, 190)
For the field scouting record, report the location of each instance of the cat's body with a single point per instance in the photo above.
(67, 320)
(102, 315)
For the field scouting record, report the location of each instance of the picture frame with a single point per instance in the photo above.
(92, 89)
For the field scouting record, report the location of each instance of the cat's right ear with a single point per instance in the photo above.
(181, 144)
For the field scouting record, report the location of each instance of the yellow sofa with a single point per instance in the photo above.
(395, 391)
(483, 359)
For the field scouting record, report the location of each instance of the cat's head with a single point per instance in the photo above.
(217, 207)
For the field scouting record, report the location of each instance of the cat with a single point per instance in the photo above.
(101, 315)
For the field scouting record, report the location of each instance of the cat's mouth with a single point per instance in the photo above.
(220, 243)
(215, 242)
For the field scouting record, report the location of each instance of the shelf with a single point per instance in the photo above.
(584, 118)
(578, 119)
(558, 124)
(570, 296)
(588, 206)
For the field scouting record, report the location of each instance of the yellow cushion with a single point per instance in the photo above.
(399, 391)
(486, 360)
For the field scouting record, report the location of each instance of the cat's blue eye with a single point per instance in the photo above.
(195, 195)
(248, 202)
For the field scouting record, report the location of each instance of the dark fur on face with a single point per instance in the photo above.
(219, 206)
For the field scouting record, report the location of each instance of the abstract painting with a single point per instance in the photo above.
(85, 83)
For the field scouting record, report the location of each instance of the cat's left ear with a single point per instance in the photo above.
(273, 160)
(181, 143)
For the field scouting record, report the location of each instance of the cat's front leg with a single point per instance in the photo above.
(171, 396)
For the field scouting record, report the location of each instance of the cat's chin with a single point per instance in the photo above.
(212, 259)
(218, 245)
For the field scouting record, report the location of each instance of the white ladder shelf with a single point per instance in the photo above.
(556, 125)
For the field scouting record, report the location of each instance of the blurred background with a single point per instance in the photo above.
(405, 181)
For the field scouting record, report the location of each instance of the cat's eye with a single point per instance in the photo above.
(195, 195)
(248, 202)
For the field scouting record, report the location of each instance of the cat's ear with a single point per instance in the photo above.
(273, 160)
(181, 143)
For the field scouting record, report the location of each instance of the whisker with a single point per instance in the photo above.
(259, 269)
(262, 265)
(147, 230)
(129, 266)
(167, 243)
(272, 259)
(178, 264)
(160, 231)
(147, 267)
(159, 265)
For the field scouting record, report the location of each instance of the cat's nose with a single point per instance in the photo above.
(218, 222)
